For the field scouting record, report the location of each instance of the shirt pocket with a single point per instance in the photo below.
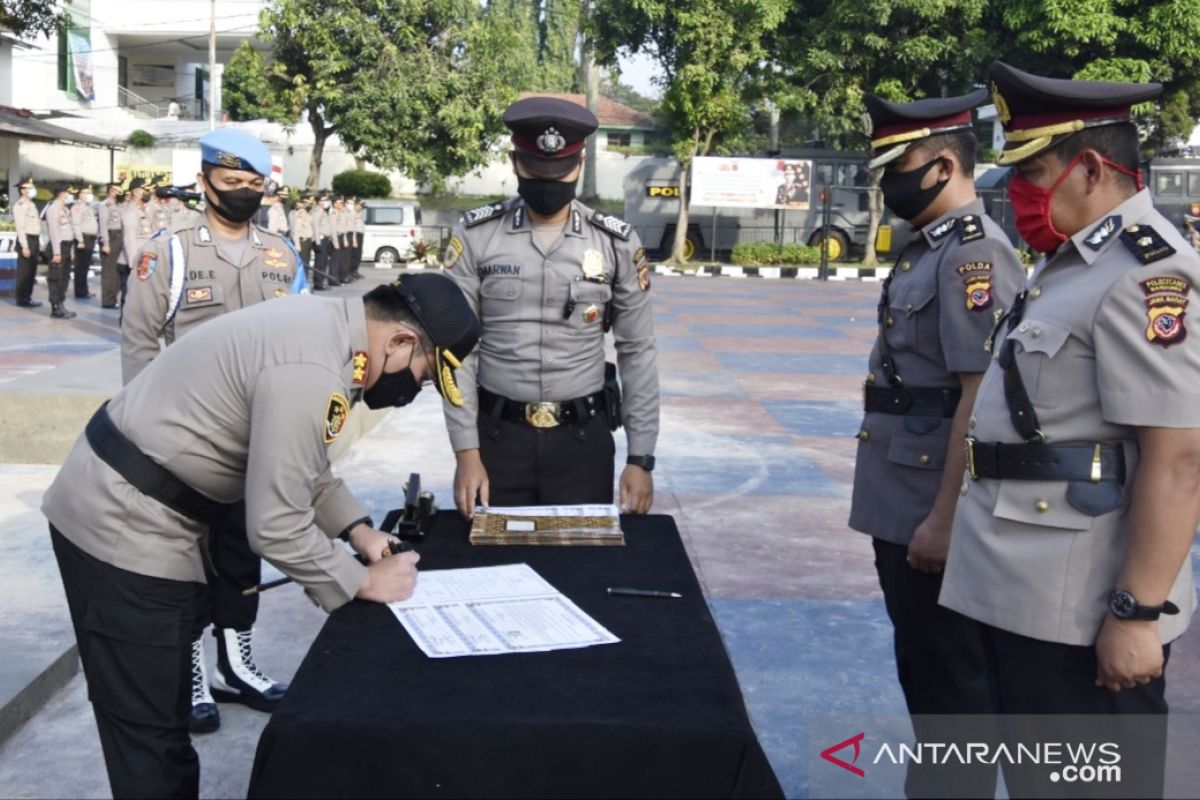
(589, 300)
(499, 295)
(1041, 341)
(908, 328)
(919, 450)
(1040, 503)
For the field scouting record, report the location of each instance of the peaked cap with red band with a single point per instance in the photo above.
(548, 133)
(1038, 112)
(895, 127)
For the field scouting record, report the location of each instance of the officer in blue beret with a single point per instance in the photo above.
(193, 271)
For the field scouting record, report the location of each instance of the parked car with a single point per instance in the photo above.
(392, 227)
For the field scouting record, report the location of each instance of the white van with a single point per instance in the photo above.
(391, 228)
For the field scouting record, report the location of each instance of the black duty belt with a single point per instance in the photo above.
(911, 401)
(148, 476)
(1094, 463)
(541, 415)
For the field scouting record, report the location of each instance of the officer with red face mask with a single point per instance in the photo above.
(1082, 487)
(936, 312)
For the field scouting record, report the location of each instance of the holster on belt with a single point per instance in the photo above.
(612, 396)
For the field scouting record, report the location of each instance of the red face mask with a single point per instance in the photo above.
(1031, 204)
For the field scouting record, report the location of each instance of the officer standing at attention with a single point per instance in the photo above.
(184, 278)
(111, 283)
(1082, 493)
(87, 227)
(136, 228)
(323, 261)
(937, 309)
(202, 428)
(277, 221)
(61, 234)
(342, 239)
(548, 276)
(300, 223)
(29, 237)
(358, 218)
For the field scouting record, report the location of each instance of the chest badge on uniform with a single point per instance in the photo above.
(274, 259)
(1103, 232)
(593, 265)
(335, 416)
(146, 266)
(977, 276)
(591, 314)
(199, 294)
(1166, 306)
(281, 292)
(360, 367)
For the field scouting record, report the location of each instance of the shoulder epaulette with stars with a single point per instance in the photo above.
(482, 214)
(612, 225)
(971, 228)
(1146, 244)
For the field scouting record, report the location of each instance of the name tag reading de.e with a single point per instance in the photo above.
(522, 525)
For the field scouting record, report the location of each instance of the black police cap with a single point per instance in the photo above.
(548, 133)
(445, 315)
(895, 127)
(1039, 112)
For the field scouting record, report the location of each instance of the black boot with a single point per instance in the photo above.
(237, 678)
(205, 718)
(58, 311)
(29, 303)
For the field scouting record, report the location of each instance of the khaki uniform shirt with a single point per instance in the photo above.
(27, 221)
(244, 408)
(110, 221)
(173, 290)
(342, 223)
(360, 222)
(83, 217)
(301, 224)
(182, 215)
(59, 225)
(137, 228)
(159, 213)
(277, 222)
(535, 347)
(949, 283)
(322, 223)
(1098, 362)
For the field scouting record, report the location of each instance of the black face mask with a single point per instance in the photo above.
(545, 196)
(902, 192)
(236, 205)
(393, 389)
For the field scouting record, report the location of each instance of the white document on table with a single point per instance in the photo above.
(482, 611)
(608, 510)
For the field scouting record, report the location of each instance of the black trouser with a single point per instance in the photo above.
(547, 466)
(342, 258)
(134, 635)
(306, 251)
(323, 263)
(237, 568)
(941, 663)
(83, 260)
(56, 274)
(27, 269)
(110, 276)
(356, 257)
(1052, 681)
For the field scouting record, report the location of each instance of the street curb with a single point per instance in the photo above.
(867, 274)
(34, 697)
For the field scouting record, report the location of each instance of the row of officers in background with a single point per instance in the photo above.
(326, 230)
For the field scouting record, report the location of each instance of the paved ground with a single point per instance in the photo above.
(760, 403)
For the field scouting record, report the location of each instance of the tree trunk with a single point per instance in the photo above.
(681, 221)
(320, 134)
(874, 215)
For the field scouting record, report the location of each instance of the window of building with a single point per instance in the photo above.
(62, 60)
(1169, 184)
(619, 139)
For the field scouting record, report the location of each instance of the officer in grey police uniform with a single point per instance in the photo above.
(136, 229)
(277, 220)
(937, 309)
(1071, 540)
(358, 225)
(185, 277)
(28, 227)
(300, 223)
(87, 228)
(549, 276)
(111, 284)
(324, 268)
(343, 240)
(244, 407)
(60, 232)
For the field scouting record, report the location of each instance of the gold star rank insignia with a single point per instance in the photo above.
(360, 367)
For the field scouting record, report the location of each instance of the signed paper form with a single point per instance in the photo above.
(486, 611)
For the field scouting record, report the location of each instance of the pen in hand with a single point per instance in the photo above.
(620, 591)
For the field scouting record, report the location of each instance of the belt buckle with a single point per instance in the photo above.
(542, 415)
(970, 450)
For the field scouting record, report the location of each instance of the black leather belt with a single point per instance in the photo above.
(148, 476)
(1045, 462)
(911, 401)
(541, 415)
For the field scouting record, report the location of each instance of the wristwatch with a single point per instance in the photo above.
(645, 462)
(1124, 605)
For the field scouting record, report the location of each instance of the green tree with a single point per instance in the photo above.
(412, 86)
(706, 50)
(30, 17)
(612, 88)
(557, 45)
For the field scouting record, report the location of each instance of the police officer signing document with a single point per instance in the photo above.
(549, 277)
(243, 408)
(1071, 542)
(936, 312)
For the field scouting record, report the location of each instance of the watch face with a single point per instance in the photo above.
(1122, 604)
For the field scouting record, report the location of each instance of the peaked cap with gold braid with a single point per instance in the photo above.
(895, 127)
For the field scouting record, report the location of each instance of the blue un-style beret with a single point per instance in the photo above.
(234, 148)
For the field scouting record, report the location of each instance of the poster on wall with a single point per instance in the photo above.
(752, 183)
(82, 69)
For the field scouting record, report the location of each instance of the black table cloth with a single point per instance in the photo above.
(659, 714)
